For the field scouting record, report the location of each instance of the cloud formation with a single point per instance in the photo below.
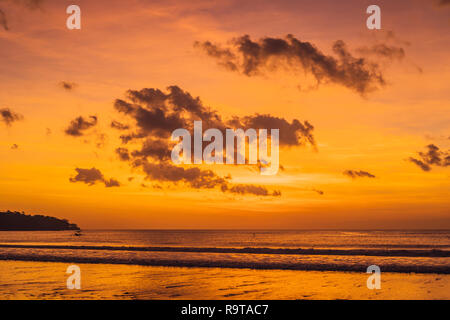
(77, 126)
(432, 157)
(155, 114)
(251, 58)
(93, 176)
(358, 174)
(9, 117)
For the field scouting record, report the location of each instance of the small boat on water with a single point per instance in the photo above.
(77, 233)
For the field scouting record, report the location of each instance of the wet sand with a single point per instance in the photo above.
(47, 280)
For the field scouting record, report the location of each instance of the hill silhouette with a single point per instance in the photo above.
(17, 221)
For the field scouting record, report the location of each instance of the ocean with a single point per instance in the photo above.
(185, 257)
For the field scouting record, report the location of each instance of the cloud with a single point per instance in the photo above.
(69, 86)
(320, 192)
(295, 133)
(119, 126)
(155, 148)
(432, 157)
(9, 117)
(249, 189)
(158, 114)
(79, 124)
(383, 50)
(123, 154)
(253, 58)
(358, 174)
(195, 177)
(155, 114)
(93, 176)
(111, 183)
(443, 2)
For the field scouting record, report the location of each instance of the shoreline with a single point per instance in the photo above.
(441, 270)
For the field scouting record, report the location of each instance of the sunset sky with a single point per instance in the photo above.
(50, 76)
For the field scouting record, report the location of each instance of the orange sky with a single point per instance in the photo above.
(149, 44)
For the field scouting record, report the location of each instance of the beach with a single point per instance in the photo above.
(47, 280)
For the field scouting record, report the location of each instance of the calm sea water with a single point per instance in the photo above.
(393, 251)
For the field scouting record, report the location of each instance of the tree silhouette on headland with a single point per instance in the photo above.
(16, 221)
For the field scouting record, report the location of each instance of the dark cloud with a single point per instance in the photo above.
(67, 85)
(119, 126)
(200, 179)
(295, 133)
(421, 164)
(88, 176)
(155, 114)
(258, 57)
(8, 116)
(358, 174)
(432, 157)
(225, 57)
(158, 114)
(195, 177)
(123, 154)
(93, 176)
(80, 124)
(154, 148)
(443, 2)
(111, 183)
(249, 189)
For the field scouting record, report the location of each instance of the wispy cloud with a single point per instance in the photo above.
(256, 57)
(358, 174)
(432, 157)
(9, 117)
(93, 176)
(77, 126)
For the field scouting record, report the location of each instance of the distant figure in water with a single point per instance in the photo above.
(78, 233)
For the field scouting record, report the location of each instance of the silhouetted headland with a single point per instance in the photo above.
(16, 221)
